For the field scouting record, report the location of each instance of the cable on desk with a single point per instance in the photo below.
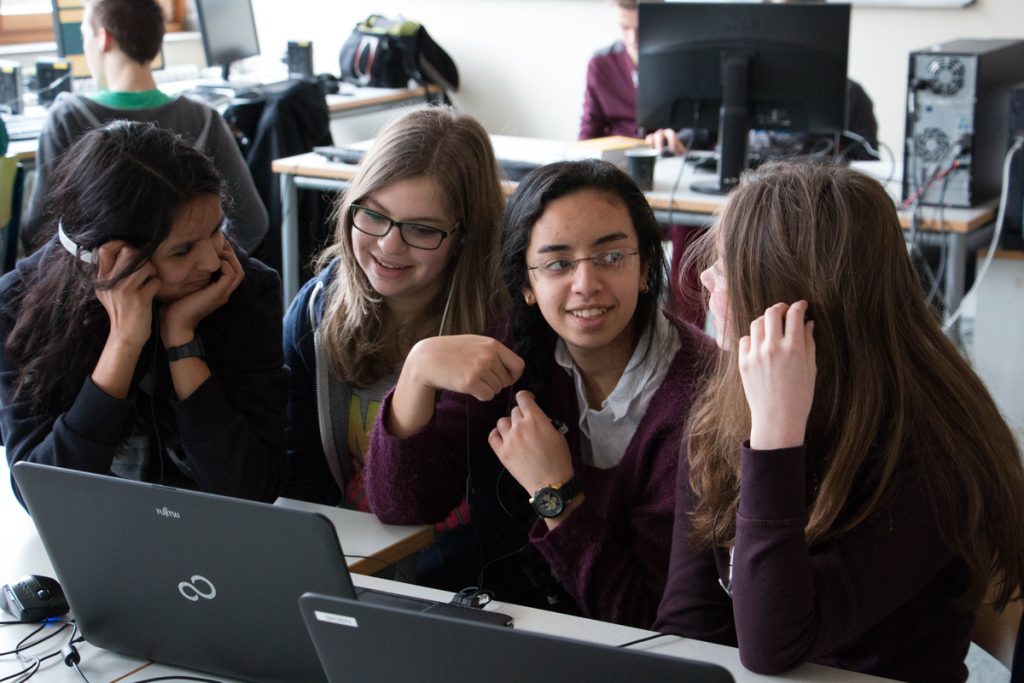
(22, 645)
(877, 153)
(943, 247)
(178, 678)
(645, 639)
(34, 663)
(55, 84)
(913, 201)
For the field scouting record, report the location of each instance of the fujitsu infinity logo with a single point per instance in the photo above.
(167, 512)
(191, 590)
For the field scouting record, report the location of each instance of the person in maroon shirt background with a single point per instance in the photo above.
(609, 108)
(848, 480)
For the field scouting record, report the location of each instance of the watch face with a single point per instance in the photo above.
(548, 502)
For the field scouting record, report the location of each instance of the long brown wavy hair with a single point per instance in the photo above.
(455, 151)
(893, 397)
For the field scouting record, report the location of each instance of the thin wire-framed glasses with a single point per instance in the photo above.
(605, 261)
(416, 235)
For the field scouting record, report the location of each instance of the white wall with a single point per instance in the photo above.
(881, 40)
(523, 62)
(999, 338)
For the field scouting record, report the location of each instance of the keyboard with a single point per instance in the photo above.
(24, 126)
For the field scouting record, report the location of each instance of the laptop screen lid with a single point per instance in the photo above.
(182, 577)
(428, 645)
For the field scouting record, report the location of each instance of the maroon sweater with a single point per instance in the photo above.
(878, 600)
(611, 553)
(609, 102)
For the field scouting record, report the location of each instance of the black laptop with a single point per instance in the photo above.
(193, 579)
(397, 645)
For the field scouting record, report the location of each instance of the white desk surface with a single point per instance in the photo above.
(23, 554)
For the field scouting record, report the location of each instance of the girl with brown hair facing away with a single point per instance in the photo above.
(849, 482)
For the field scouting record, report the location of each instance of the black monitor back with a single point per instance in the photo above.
(229, 31)
(797, 78)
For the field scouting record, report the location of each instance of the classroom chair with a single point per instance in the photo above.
(1000, 634)
(11, 187)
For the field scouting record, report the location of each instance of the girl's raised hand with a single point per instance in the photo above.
(467, 363)
(129, 303)
(776, 363)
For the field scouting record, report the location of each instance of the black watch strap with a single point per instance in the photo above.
(193, 349)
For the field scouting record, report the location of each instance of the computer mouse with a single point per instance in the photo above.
(667, 152)
(34, 598)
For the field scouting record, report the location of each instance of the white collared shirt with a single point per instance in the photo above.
(608, 431)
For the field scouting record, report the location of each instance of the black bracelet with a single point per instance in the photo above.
(193, 349)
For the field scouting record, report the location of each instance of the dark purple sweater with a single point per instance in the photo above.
(609, 102)
(877, 600)
(611, 553)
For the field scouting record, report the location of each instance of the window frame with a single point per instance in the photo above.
(38, 27)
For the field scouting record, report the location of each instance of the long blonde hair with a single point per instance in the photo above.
(455, 152)
(893, 398)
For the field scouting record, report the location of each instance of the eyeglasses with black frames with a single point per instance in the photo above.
(416, 235)
(611, 260)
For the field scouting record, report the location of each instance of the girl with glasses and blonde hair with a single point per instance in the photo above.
(850, 490)
(565, 426)
(414, 255)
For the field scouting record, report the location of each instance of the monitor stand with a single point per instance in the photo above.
(733, 125)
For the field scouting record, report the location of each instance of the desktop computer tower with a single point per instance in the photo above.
(10, 87)
(1013, 223)
(53, 76)
(957, 110)
(300, 58)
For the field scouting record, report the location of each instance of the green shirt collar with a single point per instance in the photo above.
(146, 99)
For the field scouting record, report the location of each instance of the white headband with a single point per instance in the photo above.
(73, 248)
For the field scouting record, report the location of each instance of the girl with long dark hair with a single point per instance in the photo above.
(564, 427)
(138, 342)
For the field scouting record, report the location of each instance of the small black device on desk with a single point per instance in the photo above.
(53, 77)
(300, 58)
(343, 155)
(10, 87)
(33, 598)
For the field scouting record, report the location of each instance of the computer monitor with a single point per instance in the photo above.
(739, 67)
(229, 32)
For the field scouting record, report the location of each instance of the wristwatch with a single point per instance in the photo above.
(193, 348)
(550, 501)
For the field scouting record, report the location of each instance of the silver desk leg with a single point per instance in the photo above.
(289, 237)
(956, 266)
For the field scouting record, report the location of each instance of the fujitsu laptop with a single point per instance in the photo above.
(192, 579)
(436, 648)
